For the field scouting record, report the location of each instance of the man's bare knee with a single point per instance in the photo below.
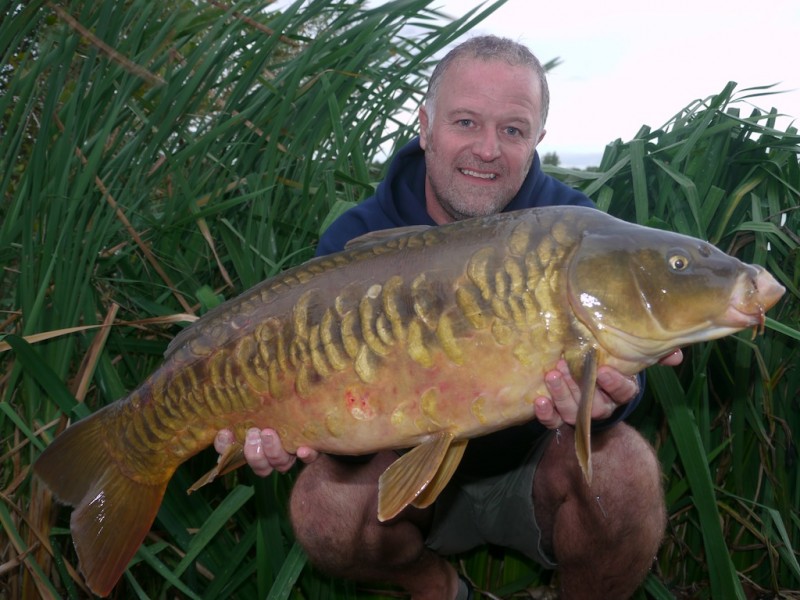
(333, 509)
(323, 515)
(615, 525)
(629, 473)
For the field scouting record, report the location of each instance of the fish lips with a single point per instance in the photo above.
(756, 292)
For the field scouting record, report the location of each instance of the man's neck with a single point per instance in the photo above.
(435, 210)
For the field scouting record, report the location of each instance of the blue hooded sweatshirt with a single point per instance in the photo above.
(399, 201)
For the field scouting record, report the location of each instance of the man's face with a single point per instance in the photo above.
(481, 143)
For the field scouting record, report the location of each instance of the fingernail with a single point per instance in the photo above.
(253, 436)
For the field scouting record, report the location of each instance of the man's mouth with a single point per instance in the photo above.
(479, 175)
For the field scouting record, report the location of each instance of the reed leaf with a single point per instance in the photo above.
(730, 439)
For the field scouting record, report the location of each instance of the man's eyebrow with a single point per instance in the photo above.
(461, 111)
(458, 112)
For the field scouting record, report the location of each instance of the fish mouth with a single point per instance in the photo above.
(751, 299)
(739, 319)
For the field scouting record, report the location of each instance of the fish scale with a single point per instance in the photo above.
(418, 313)
(419, 338)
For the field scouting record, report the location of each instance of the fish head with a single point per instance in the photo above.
(645, 292)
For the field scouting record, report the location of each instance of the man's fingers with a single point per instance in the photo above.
(306, 454)
(613, 389)
(278, 458)
(564, 393)
(546, 413)
(254, 453)
(263, 452)
(223, 440)
(619, 389)
(672, 360)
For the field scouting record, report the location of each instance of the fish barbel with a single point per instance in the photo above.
(416, 338)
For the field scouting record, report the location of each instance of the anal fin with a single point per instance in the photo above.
(230, 460)
(409, 475)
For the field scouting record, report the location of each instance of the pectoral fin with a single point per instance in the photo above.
(230, 460)
(583, 424)
(406, 479)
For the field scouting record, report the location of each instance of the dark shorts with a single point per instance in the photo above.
(492, 510)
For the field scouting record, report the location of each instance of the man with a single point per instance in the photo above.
(522, 488)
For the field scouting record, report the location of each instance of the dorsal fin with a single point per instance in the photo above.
(382, 235)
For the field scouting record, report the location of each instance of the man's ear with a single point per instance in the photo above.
(423, 127)
(541, 136)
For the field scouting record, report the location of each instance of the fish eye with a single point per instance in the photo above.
(678, 262)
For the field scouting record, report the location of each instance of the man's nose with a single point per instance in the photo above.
(487, 145)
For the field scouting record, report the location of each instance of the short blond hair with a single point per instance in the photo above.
(489, 47)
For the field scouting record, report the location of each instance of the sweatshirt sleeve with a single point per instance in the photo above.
(357, 221)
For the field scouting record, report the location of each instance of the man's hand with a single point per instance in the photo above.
(613, 390)
(263, 451)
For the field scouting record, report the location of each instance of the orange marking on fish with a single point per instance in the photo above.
(358, 405)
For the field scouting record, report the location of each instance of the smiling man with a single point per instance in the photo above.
(479, 129)
(520, 488)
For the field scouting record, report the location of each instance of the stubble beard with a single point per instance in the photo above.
(461, 202)
(459, 199)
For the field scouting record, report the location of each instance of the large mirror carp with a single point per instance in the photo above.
(418, 338)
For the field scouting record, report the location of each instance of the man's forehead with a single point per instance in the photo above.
(465, 66)
(468, 81)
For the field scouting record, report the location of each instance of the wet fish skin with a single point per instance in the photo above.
(417, 338)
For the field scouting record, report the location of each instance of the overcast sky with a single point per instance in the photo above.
(626, 63)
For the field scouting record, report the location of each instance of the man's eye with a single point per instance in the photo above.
(465, 122)
(513, 131)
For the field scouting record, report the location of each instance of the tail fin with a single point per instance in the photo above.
(113, 512)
